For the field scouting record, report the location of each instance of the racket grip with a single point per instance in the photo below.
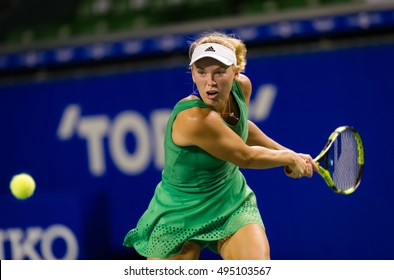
(288, 171)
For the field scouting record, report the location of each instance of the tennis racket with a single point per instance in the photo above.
(341, 161)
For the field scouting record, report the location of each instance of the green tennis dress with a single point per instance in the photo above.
(200, 198)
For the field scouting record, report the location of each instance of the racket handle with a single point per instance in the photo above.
(288, 171)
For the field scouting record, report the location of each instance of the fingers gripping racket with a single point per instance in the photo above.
(341, 162)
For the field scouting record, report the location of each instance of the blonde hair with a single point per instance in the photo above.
(229, 41)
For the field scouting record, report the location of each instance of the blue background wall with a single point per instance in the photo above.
(93, 145)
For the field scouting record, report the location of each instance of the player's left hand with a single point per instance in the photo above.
(305, 170)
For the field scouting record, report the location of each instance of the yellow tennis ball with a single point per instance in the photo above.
(22, 186)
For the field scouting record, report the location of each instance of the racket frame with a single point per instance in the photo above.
(325, 174)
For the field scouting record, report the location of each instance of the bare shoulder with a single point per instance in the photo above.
(193, 117)
(193, 122)
(246, 86)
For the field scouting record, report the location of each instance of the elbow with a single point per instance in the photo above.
(244, 165)
(246, 161)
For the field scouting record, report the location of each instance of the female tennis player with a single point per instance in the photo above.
(203, 200)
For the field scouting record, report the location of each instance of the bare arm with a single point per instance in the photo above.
(256, 137)
(205, 128)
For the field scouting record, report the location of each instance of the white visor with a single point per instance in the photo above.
(216, 51)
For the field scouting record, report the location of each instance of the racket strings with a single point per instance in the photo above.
(345, 171)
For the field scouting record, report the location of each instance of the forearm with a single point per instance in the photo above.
(262, 158)
(258, 138)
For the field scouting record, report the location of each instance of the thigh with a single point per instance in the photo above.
(248, 243)
(190, 251)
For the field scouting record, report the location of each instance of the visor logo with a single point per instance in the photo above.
(210, 49)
